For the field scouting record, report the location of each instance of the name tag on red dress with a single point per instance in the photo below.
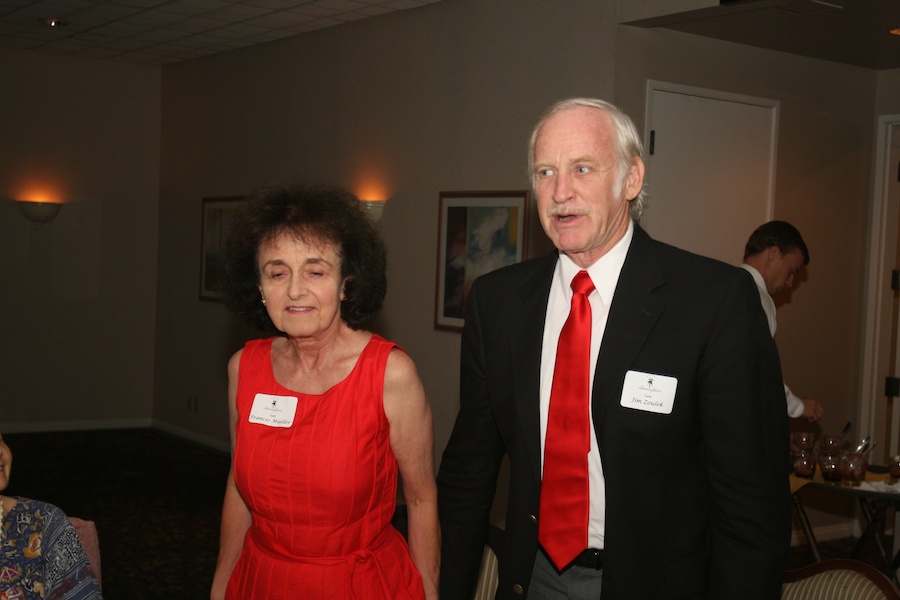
(273, 411)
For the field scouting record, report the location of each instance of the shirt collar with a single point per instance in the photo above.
(604, 272)
(757, 276)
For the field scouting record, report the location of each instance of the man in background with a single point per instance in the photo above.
(774, 255)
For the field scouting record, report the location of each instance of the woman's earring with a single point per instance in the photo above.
(263, 301)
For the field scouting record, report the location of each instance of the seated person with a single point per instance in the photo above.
(40, 553)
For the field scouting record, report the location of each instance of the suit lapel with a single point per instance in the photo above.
(525, 342)
(634, 310)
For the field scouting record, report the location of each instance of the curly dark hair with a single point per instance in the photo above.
(319, 214)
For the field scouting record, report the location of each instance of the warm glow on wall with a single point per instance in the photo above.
(39, 193)
(372, 191)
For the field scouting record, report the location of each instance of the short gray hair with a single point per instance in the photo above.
(628, 143)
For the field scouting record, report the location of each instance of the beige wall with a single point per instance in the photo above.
(78, 295)
(437, 98)
(887, 100)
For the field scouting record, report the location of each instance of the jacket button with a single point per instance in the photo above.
(532, 518)
(518, 589)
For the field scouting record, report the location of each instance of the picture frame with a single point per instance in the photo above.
(478, 232)
(215, 220)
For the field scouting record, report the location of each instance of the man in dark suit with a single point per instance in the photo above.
(686, 491)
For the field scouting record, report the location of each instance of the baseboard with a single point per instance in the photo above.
(49, 426)
(192, 436)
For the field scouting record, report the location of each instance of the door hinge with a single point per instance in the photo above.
(895, 279)
(891, 387)
(652, 142)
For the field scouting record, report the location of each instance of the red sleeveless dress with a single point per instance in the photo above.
(321, 484)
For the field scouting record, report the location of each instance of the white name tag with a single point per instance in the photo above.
(273, 411)
(649, 392)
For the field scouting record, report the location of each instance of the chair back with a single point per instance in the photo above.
(486, 587)
(87, 534)
(487, 576)
(838, 579)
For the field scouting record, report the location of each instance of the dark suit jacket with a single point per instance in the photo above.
(697, 501)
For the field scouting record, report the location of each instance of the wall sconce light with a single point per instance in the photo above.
(374, 208)
(39, 212)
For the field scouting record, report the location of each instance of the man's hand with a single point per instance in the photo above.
(812, 410)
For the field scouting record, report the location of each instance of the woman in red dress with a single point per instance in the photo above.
(323, 415)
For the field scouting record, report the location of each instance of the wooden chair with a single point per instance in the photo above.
(834, 579)
(838, 579)
(87, 534)
(487, 576)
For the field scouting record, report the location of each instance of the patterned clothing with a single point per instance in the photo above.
(41, 556)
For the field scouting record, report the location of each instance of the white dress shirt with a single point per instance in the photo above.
(795, 405)
(605, 275)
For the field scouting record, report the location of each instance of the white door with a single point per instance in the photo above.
(710, 168)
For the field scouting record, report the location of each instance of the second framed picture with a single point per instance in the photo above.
(217, 213)
(478, 232)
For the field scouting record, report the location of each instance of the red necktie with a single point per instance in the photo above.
(563, 522)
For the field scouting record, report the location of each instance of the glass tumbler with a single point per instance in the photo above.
(801, 441)
(830, 444)
(853, 469)
(894, 468)
(804, 464)
(830, 466)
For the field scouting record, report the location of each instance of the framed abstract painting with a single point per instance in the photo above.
(477, 233)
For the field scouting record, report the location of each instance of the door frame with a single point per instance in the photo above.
(879, 257)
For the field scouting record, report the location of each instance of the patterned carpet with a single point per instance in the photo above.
(157, 501)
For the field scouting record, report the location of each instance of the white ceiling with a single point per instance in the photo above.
(166, 31)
